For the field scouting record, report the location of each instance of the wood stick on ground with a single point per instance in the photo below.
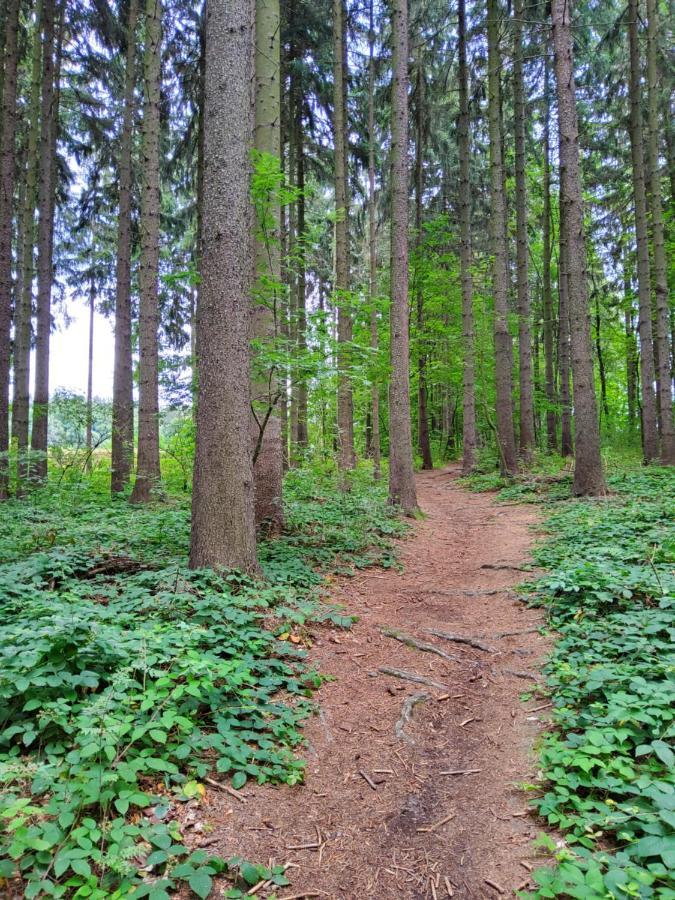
(461, 639)
(501, 566)
(461, 772)
(448, 887)
(410, 641)
(369, 781)
(406, 714)
(226, 789)
(518, 674)
(493, 884)
(425, 829)
(503, 634)
(411, 676)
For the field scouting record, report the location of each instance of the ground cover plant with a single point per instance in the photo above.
(608, 766)
(126, 678)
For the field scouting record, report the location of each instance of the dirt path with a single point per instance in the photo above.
(377, 816)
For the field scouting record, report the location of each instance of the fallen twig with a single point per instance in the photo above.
(411, 676)
(226, 789)
(461, 639)
(425, 829)
(406, 714)
(417, 645)
(461, 772)
(367, 779)
(493, 884)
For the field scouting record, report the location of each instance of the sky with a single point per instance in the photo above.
(68, 354)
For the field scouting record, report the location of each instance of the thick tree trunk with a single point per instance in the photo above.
(547, 301)
(372, 250)
(465, 255)
(650, 440)
(7, 173)
(266, 424)
(147, 464)
(667, 428)
(631, 346)
(301, 281)
(24, 308)
(123, 397)
(527, 436)
(422, 391)
(345, 400)
(223, 502)
(401, 476)
(508, 457)
(90, 376)
(564, 351)
(45, 276)
(588, 474)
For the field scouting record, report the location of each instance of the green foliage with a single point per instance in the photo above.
(125, 678)
(608, 763)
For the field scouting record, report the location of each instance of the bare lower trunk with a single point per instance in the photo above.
(372, 251)
(631, 347)
(345, 401)
(401, 477)
(667, 428)
(465, 254)
(147, 464)
(527, 436)
(7, 170)
(90, 377)
(547, 301)
(650, 440)
(46, 188)
(508, 457)
(123, 398)
(223, 502)
(564, 353)
(588, 474)
(301, 283)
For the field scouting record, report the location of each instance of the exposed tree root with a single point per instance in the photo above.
(460, 639)
(406, 714)
(411, 676)
(417, 645)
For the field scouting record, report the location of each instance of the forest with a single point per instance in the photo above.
(359, 580)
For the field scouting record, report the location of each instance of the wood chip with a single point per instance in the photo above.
(493, 884)
(448, 887)
(526, 865)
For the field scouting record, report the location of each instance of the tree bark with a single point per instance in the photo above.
(508, 457)
(7, 177)
(527, 436)
(667, 429)
(564, 351)
(469, 441)
(372, 250)
(123, 397)
(401, 477)
(301, 281)
(223, 502)
(547, 302)
(422, 411)
(23, 312)
(631, 347)
(588, 474)
(266, 424)
(45, 276)
(345, 400)
(650, 440)
(147, 463)
(90, 374)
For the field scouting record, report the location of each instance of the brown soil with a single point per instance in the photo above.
(377, 816)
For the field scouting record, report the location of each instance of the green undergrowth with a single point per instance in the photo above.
(126, 679)
(608, 766)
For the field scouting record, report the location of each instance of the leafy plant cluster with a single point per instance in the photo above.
(608, 763)
(126, 678)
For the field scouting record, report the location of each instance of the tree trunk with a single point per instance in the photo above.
(547, 302)
(46, 192)
(345, 400)
(401, 477)
(422, 411)
(658, 244)
(147, 464)
(24, 308)
(588, 474)
(508, 458)
(564, 354)
(465, 255)
(7, 175)
(650, 440)
(223, 501)
(90, 374)
(527, 436)
(601, 361)
(301, 282)
(372, 250)
(631, 347)
(123, 396)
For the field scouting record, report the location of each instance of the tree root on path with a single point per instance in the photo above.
(417, 645)
(411, 676)
(518, 674)
(460, 639)
(406, 714)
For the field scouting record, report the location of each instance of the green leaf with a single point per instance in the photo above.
(201, 883)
